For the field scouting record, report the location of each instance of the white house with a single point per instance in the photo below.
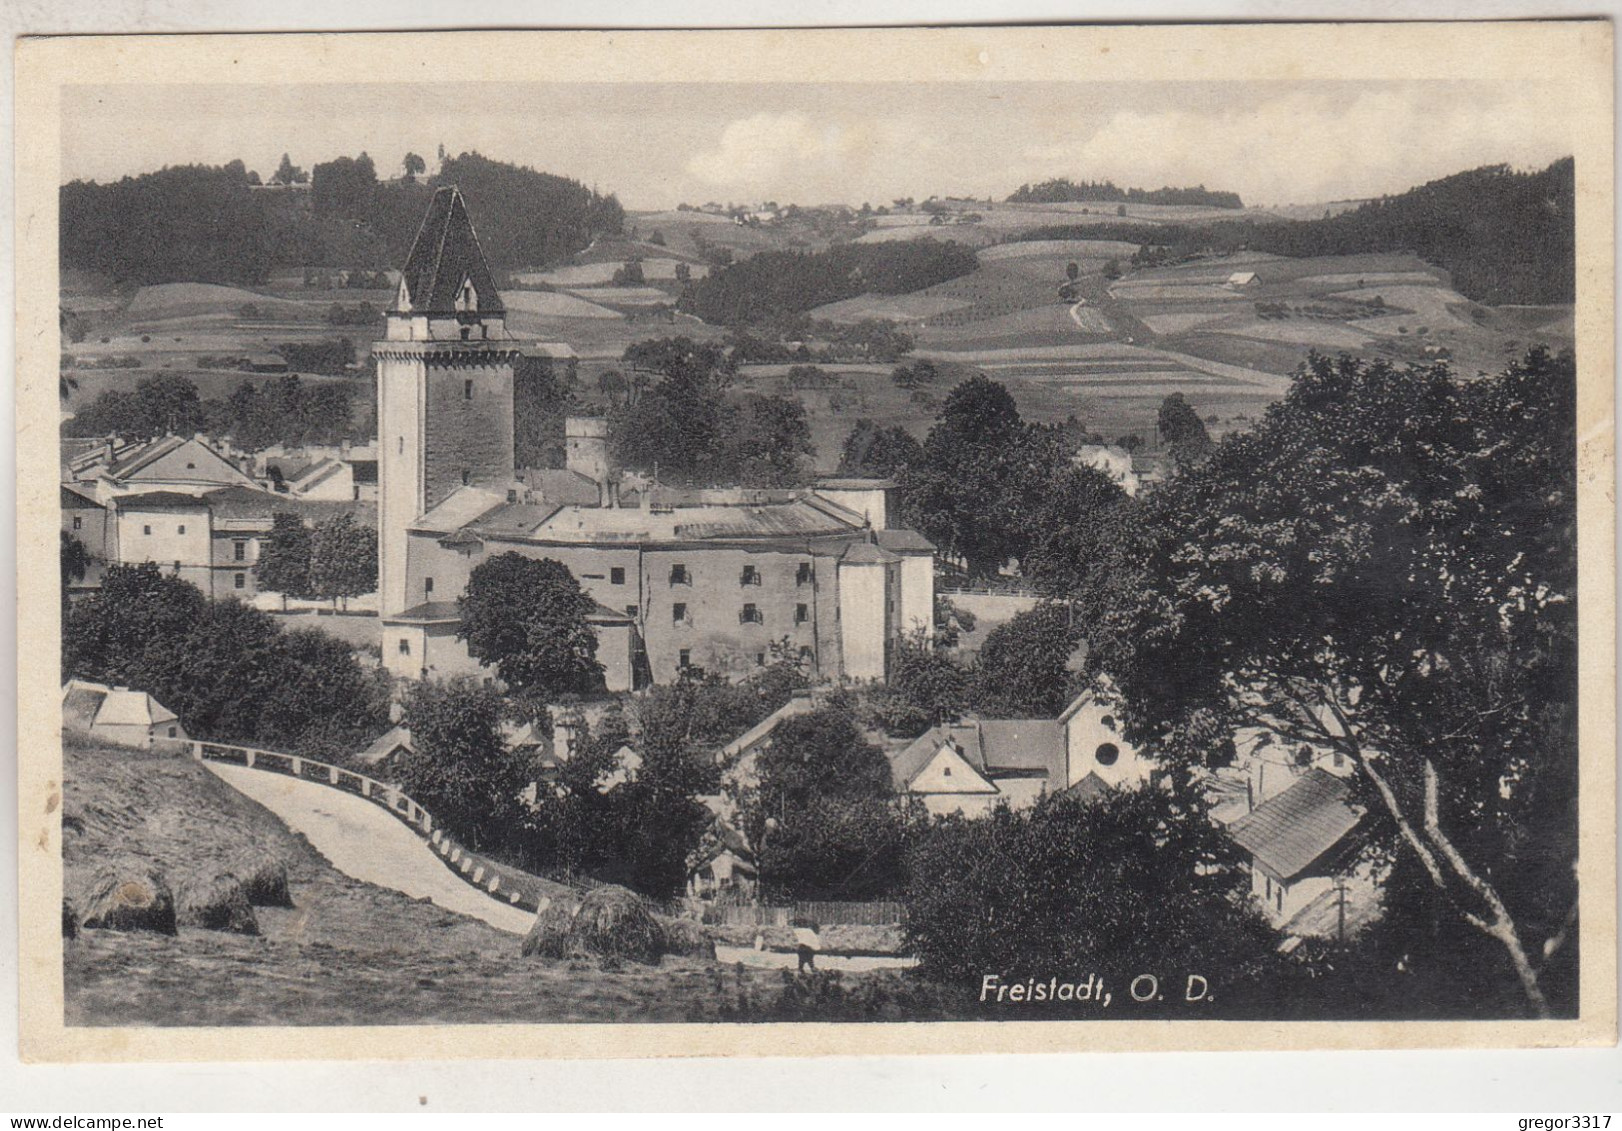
(1241, 278)
(1114, 462)
(119, 715)
(1300, 844)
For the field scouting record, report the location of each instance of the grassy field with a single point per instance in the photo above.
(349, 953)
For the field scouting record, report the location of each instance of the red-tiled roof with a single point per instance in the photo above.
(446, 252)
(1290, 832)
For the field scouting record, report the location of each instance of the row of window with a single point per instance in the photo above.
(749, 575)
(749, 614)
(684, 658)
(239, 550)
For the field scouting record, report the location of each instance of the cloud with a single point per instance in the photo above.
(1309, 146)
(792, 156)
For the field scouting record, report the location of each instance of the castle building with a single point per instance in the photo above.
(720, 579)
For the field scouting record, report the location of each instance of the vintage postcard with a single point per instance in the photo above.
(804, 542)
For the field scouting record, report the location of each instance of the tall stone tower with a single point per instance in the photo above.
(444, 385)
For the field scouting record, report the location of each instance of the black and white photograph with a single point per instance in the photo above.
(696, 547)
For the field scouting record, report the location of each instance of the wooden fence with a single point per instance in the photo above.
(823, 913)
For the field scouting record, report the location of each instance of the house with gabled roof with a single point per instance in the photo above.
(185, 464)
(1301, 845)
(119, 715)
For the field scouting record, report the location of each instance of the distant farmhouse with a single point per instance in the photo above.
(712, 579)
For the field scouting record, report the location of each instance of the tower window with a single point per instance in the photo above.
(678, 613)
(467, 332)
(679, 575)
(467, 386)
(427, 585)
(466, 475)
(802, 613)
(616, 575)
(181, 529)
(402, 445)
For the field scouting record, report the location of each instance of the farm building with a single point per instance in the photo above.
(1241, 279)
(119, 715)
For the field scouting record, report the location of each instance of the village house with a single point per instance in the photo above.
(119, 715)
(1114, 462)
(714, 581)
(212, 539)
(184, 464)
(87, 519)
(1301, 845)
(973, 766)
(321, 473)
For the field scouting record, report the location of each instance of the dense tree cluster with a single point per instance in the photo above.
(230, 672)
(282, 410)
(696, 431)
(210, 224)
(1503, 236)
(824, 815)
(1386, 568)
(1062, 190)
(777, 284)
(335, 560)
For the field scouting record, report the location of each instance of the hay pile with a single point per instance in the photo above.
(217, 904)
(688, 939)
(263, 879)
(549, 935)
(610, 922)
(615, 922)
(125, 895)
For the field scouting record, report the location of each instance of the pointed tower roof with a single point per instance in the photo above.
(445, 254)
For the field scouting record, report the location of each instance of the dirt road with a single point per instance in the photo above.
(363, 841)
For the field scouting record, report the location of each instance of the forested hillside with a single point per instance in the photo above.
(1062, 190)
(1505, 236)
(213, 224)
(776, 284)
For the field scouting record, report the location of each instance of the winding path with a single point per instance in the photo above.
(365, 842)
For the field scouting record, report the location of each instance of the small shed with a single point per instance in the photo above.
(1241, 278)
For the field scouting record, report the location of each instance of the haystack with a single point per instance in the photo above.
(217, 904)
(126, 896)
(549, 935)
(615, 922)
(688, 938)
(263, 879)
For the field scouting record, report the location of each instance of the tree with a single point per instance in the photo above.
(1181, 430)
(983, 477)
(881, 453)
(1112, 269)
(228, 670)
(1137, 880)
(1385, 568)
(414, 165)
(458, 768)
(526, 617)
(343, 558)
(75, 560)
(769, 443)
(919, 373)
(823, 817)
(1072, 270)
(284, 558)
(1024, 669)
(288, 173)
(1075, 531)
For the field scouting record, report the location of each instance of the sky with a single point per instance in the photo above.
(658, 144)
